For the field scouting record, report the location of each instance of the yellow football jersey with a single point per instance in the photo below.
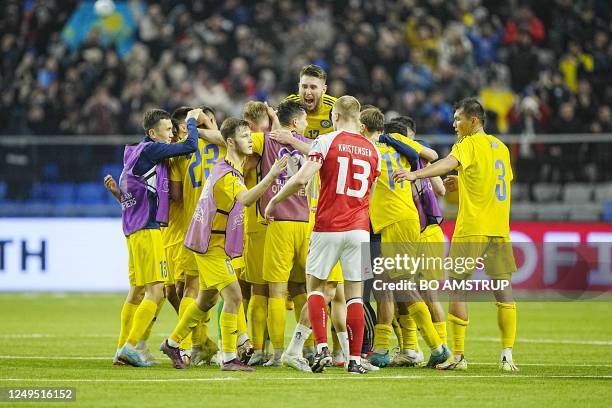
(192, 170)
(319, 122)
(392, 202)
(485, 175)
(174, 232)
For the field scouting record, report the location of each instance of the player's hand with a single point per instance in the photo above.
(195, 113)
(111, 184)
(268, 211)
(451, 183)
(274, 122)
(205, 122)
(281, 136)
(403, 175)
(278, 166)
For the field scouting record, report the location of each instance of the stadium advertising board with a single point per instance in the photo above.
(91, 255)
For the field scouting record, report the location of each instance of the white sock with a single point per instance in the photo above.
(437, 351)
(242, 338)
(507, 352)
(357, 359)
(228, 356)
(320, 347)
(410, 353)
(344, 343)
(381, 351)
(277, 354)
(172, 343)
(300, 335)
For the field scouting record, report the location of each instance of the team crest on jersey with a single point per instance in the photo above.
(326, 123)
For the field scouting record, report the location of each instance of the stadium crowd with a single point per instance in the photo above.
(538, 67)
(541, 70)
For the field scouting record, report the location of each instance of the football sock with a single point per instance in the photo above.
(241, 322)
(457, 328)
(355, 323)
(420, 313)
(397, 329)
(382, 333)
(191, 317)
(506, 320)
(199, 334)
(185, 302)
(300, 334)
(229, 330)
(343, 339)
(257, 315)
(127, 317)
(409, 333)
(317, 313)
(441, 329)
(277, 313)
(142, 318)
(147, 332)
(219, 309)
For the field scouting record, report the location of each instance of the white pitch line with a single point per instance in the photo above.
(547, 341)
(305, 378)
(107, 358)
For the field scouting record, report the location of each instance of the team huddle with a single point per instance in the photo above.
(280, 206)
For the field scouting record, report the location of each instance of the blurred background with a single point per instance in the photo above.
(77, 76)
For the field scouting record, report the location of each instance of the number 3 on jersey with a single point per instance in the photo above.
(343, 162)
(500, 186)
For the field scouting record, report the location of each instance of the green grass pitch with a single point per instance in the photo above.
(563, 349)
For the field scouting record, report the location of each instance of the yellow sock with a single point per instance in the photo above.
(241, 323)
(441, 329)
(506, 320)
(147, 332)
(420, 313)
(191, 317)
(142, 318)
(229, 331)
(185, 303)
(457, 328)
(257, 313)
(397, 329)
(409, 333)
(276, 322)
(127, 317)
(199, 334)
(299, 301)
(382, 332)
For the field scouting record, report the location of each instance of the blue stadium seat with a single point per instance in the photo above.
(51, 171)
(90, 193)
(61, 193)
(607, 212)
(114, 169)
(2, 190)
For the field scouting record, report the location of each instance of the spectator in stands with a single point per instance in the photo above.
(523, 62)
(524, 21)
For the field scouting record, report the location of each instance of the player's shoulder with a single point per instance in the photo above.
(328, 100)
(292, 97)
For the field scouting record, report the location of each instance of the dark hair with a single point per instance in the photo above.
(314, 71)
(230, 125)
(152, 118)
(207, 109)
(288, 110)
(373, 119)
(406, 122)
(472, 108)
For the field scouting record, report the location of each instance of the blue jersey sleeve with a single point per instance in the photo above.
(402, 148)
(157, 152)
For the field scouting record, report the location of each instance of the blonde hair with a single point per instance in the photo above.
(348, 106)
(373, 119)
(254, 111)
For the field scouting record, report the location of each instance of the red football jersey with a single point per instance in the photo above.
(350, 165)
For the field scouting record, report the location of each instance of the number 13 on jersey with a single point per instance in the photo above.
(361, 177)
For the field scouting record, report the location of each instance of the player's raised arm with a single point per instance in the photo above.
(293, 185)
(285, 136)
(248, 197)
